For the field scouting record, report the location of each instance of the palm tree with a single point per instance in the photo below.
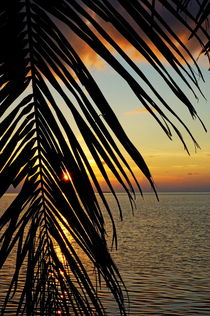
(43, 72)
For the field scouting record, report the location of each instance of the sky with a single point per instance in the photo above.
(172, 168)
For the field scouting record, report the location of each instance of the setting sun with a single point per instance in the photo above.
(66, 176)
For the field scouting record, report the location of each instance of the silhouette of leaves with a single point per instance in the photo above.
(41, 74)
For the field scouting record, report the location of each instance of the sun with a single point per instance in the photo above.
(66, 176)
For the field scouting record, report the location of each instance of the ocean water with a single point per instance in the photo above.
(163, 254)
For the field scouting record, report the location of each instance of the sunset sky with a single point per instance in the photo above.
(171, 167)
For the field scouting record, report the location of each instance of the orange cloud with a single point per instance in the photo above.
(137, 111)
(91, 59)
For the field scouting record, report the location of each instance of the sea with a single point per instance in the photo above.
(163, 254)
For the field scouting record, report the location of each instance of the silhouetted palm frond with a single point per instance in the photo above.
(46, 89)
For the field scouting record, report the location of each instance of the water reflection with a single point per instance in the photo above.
(167, 267)
(163, 255)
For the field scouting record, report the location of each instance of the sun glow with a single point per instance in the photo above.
(66, 176)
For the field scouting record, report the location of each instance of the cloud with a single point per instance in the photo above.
(92, 60)
(139, 111)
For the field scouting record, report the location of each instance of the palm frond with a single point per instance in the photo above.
(52, 224)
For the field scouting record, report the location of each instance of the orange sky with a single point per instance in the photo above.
(171, 167)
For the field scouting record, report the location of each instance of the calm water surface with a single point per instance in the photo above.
(163, 254)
